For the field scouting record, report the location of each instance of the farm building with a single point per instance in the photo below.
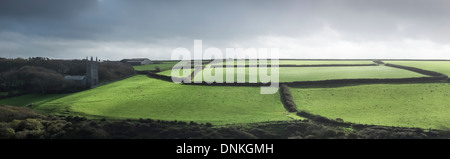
(137, 61)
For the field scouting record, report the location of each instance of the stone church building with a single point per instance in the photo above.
(91, 78)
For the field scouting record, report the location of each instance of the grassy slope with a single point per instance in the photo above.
(290, 74)
(409, 105)
(438, 66)
(143, 97)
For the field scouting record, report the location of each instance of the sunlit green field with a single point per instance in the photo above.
(407, 105)
(143, 97)
(438, 66)
(291, 74)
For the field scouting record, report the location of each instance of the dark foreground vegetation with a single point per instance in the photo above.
(23, 123)
(44, 75)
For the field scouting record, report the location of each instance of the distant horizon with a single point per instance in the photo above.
(331, 59)
(301, 29)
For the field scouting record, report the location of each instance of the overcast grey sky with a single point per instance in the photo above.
(116, 29)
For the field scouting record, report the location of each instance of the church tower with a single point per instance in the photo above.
(91, 72)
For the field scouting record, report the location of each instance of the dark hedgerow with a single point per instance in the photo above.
(287, 99)
(322, 119)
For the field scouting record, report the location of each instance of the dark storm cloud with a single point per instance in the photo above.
(57, 28)
(58, 18)
(44, 8)
(144, 19)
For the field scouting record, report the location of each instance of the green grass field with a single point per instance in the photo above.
(291, 74)
(151, 67)
(143, 97)
(164, 65)
(407, 105)
(179, 73)
(300, 62)
(438, 66)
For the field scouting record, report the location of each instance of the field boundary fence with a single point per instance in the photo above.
(287, 99)
(418, 70)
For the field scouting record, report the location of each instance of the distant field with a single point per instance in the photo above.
(407, 105)
(437, 66)
(179, 73)
(301, 62)
(151, 67)
(290, 74)
(143, 97)
(166, 65)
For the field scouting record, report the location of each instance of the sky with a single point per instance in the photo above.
(301, 29)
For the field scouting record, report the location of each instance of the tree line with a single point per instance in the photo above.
(44, 75)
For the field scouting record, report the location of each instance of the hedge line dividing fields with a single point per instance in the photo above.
(418, 70)
(437, 66)
(286, 98)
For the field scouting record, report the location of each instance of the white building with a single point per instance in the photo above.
(137, 61)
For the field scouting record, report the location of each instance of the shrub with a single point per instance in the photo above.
(9, 113)
(295, 137)
(340, 120)
(6, 133)
(192, 123)
(300, 127)
(29, 124)
(321, 119)
(29, 134)
(260, 133)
